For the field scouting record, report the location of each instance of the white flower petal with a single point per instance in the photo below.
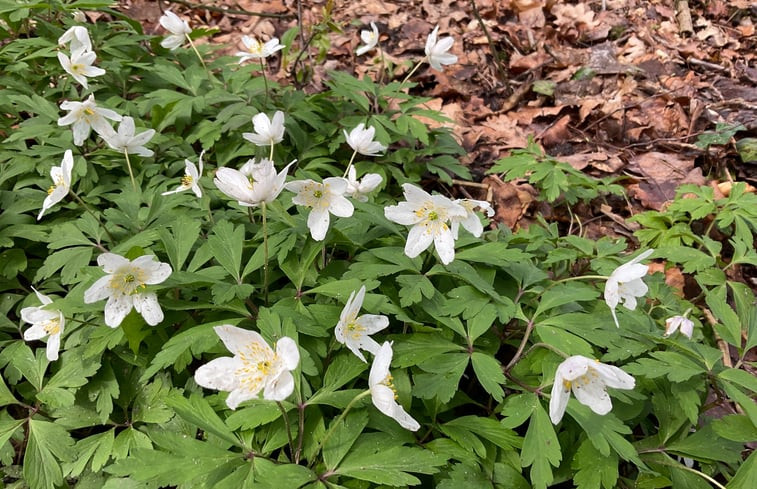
(287, 351)
(318, 223)
(147, 305)
(116, 309)
(280, 387)
(218, 374)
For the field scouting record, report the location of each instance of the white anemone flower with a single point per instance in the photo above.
(436, 50)
(254, 367)
(79, 65)
(254, 184)
(61, 176)
(258, 50)
(322, 198)
(124, 287)
(682, 323)
(361, 140)
(77, 37)
(126, 139)
(267, 131)
(86, 116)
(471, 221)
(370, 38)
(178, 28)
(383, 394)
(354, 331)
(588, 379)
(430, 217)
(359, 189)
(45, 322)
(191, 178)
(625, 284)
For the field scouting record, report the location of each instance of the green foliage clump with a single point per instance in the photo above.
(477, 341)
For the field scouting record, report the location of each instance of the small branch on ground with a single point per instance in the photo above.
(683, 16)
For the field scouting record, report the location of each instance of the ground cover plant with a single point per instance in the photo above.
(211, 279)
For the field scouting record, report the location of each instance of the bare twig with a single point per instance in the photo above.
(683, 16)
(492, 47)
(706, 64)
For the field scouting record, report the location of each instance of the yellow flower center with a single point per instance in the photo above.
(355, 330)
(433, 216)
(186, 181)
(388, 381)
(317, 194)
(52, 326)
(51, 189)
(89, 111)
(77, 68)
(256, 48)
(128, 281)
(258, 363)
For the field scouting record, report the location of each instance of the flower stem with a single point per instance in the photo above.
(265, 253)
(286, 426)
(582, 277)
(131, 173)
(194, 48)
(89, 211)
(349, 165)
(415, 68)
(548, 347)
(336, 423)
(270, 157)
(265, 79)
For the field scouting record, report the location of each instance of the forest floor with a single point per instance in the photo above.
(655, 93)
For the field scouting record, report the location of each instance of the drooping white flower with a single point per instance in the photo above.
(124, 287)
(257, 50)
(252, 184)
(267, 131)
(44, 322)
(679, 322)
(79, 65)
(254, 367)
(191, 178)
(370, 38)
(78, 37)
(354, 331)
(430, 217)
(86, 116)
(126, 139)
(588, 379)
(471, 221)
(359, 189)
(322, 198)
(436, 50)
(383, 394)
(178, 28)
(625, 284)
(361, 140)
(61, 176)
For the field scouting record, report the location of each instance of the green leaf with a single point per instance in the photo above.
(729, 326)
(544, 87)
(376, 457)
(497, 254)
(489, 373)
(6, 397)
(226, 245)
(444, 378)
(343, 437)
(8, 427)
(704, 444)
(746, 402)
(540, 448)
(593, 469)
(197, 411)
(489, 429)
(481, 322)
(48, 445)
(604, 432)
(746, 475)
(413, 288)
(97, 448)
(566, 293)
(179, 241)
(735, 427)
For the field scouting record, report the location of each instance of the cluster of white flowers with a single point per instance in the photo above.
(79, 63)
(255, 367)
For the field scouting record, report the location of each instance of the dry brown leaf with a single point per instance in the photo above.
(557, 133)
(511, 201)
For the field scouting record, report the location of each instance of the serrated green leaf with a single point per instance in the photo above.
(48, 445)
(226, 246)
(746, 475)
(197, 411)
(593, 469)
(376, 457)
(413, 288)
(489, 373)
(343, 437)
(541, 450)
